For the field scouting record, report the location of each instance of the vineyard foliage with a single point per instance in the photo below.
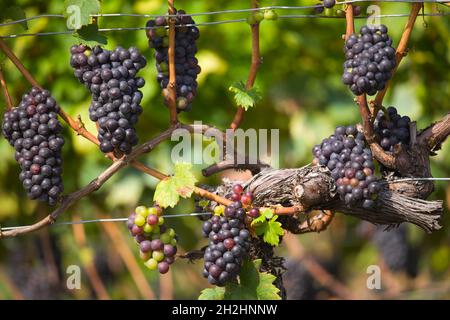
(299, 91)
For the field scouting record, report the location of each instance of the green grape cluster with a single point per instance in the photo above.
(157, 243)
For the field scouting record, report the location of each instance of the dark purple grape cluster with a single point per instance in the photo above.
(329, 3)
(351, 164)
(370, 59)
(392, 129)
(229, 242)
(111, 77)
(33, 129)
(186, 64)
(157, 243)
(395, 249)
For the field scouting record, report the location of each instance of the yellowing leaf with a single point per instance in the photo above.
(182, 183)
(184, 179)
(166, 194)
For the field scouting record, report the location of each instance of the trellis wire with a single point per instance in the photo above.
(218, 12)
(399, 15)
(105, 220)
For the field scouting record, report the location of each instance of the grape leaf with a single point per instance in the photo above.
(216, 293)
(273, 232)
(182, 183)
(243, 97)
(267, 226)
(253, 284)
(78, 12)
(265, 214)
(90, 36)
(185, 179)
(13, 13)
(165, 193)
(266, 290)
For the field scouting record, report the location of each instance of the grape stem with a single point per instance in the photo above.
(402, 50)
(9, 102)
(350, 21)
(172, 95)
(256, 62)
(382, 156)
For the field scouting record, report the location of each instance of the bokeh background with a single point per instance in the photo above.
(303, 97)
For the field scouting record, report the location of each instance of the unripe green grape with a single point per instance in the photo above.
(141, 211)
(158, 256)
(219, 210)
(171, 232)
(329, 12)
(156, 230)
(182, 103)
(166, 238)
(153, 210)
(259, 16)
(173, 242)
(148, 228)
(152, 264)
(270, 15)
(139, 220)
(160, 221)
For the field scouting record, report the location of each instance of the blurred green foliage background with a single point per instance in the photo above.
(303, 97)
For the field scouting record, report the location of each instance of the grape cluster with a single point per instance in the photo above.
(396, 250)
(158, 244)
(370, 59)
(392, 128)
(33, 129)
(229, 240)
(351, 164)
(186, 64)
(111, 78)
(298, 281)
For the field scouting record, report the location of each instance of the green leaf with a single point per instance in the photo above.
(182, 183)
(90, 36)
(185, 179)
(243, 97)
(267, 212)
(78, 12)
(249, 276)
(266, 290)
(273, 232)
(165, 193)
(13, 13)
(258, 221)
(216, 293)
(252, 285)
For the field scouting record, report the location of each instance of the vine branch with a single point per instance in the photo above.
(172, 96)
(350, 21)
(402, 50)
(256, 62)
(9, 103)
